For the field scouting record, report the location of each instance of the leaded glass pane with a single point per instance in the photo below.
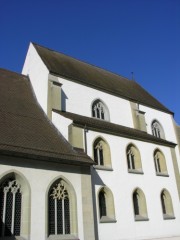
(51, 216)
(1, 211)
(59, 217)
(8, 219)
(67, 216)
(17, 217)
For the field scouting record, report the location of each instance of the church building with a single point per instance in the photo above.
(85, 154)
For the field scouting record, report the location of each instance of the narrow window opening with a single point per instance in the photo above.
(59, 210)
(102, 204)
(136, 203)
(10, 214)
(98, 154)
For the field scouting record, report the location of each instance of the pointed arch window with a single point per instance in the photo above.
(102, 204)
(133, 159)
(160, 163)
(130, 158)
(98, 153)
(99, 110)
(139, 205)
(59, 210)
(101, 153)
(166, 203)
(106, 205)
(157, 130)
(10, 208)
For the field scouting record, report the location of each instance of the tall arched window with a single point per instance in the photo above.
(99, 110)
(160, 163)
(10, 203)
(102, 204)
(14, 206)
(133, 159)
(59, 212)
(157, 129)
(98, 153)
(106, 205)
(139, 205)
(166, 203)
(101, 152)
(62, 219)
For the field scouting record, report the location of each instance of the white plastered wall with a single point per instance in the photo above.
(79, 99)
(39, 181)
(122, 184)
(38, 74)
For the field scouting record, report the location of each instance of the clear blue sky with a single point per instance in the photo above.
(122, 36)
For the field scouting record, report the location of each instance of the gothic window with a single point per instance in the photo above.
(139, 205)
(106, 205)
(166, 203)
(102, 204)
(133, 159)
(130, 158)
(10, 208)
(136, 203)
(157, 129)
(101, 152)
(59, 209)
(160, 163)
(99, 110)
(98, 154)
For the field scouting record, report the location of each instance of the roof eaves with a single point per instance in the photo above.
(124, 132)
(149, 138)
(58, 159)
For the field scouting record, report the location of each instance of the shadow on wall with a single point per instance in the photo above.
(96, 180)
(63, 100)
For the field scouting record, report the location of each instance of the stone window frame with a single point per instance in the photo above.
(107, 164)
(133, 157)
(157, 129)
(25, 201)
(100, 110)
(139, 205)
(166, 205)
(160, 163)
(73, 210)
(109, 205)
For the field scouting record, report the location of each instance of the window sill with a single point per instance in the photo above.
(162, 174)
(99, 167)
(168, 217)
(63, 237)
(135, 171)
(139, 218)
(106, 219)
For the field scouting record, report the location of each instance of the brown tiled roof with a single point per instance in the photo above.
(89, 75)
(98, 125)
(24, 128)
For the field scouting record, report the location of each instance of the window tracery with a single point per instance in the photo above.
(59, 210)
(10, 203)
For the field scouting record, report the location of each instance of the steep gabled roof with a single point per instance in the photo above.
(24, 128)
(95, 77)
(99, 125)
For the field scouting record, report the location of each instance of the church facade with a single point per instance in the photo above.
(85, 154)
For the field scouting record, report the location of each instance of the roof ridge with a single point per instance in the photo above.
(82, 61)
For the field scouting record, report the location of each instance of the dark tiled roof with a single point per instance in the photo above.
(24, 128)
(114, 129)
(86, 74)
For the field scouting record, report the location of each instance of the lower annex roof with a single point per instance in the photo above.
(99, 125)
(26, 130)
